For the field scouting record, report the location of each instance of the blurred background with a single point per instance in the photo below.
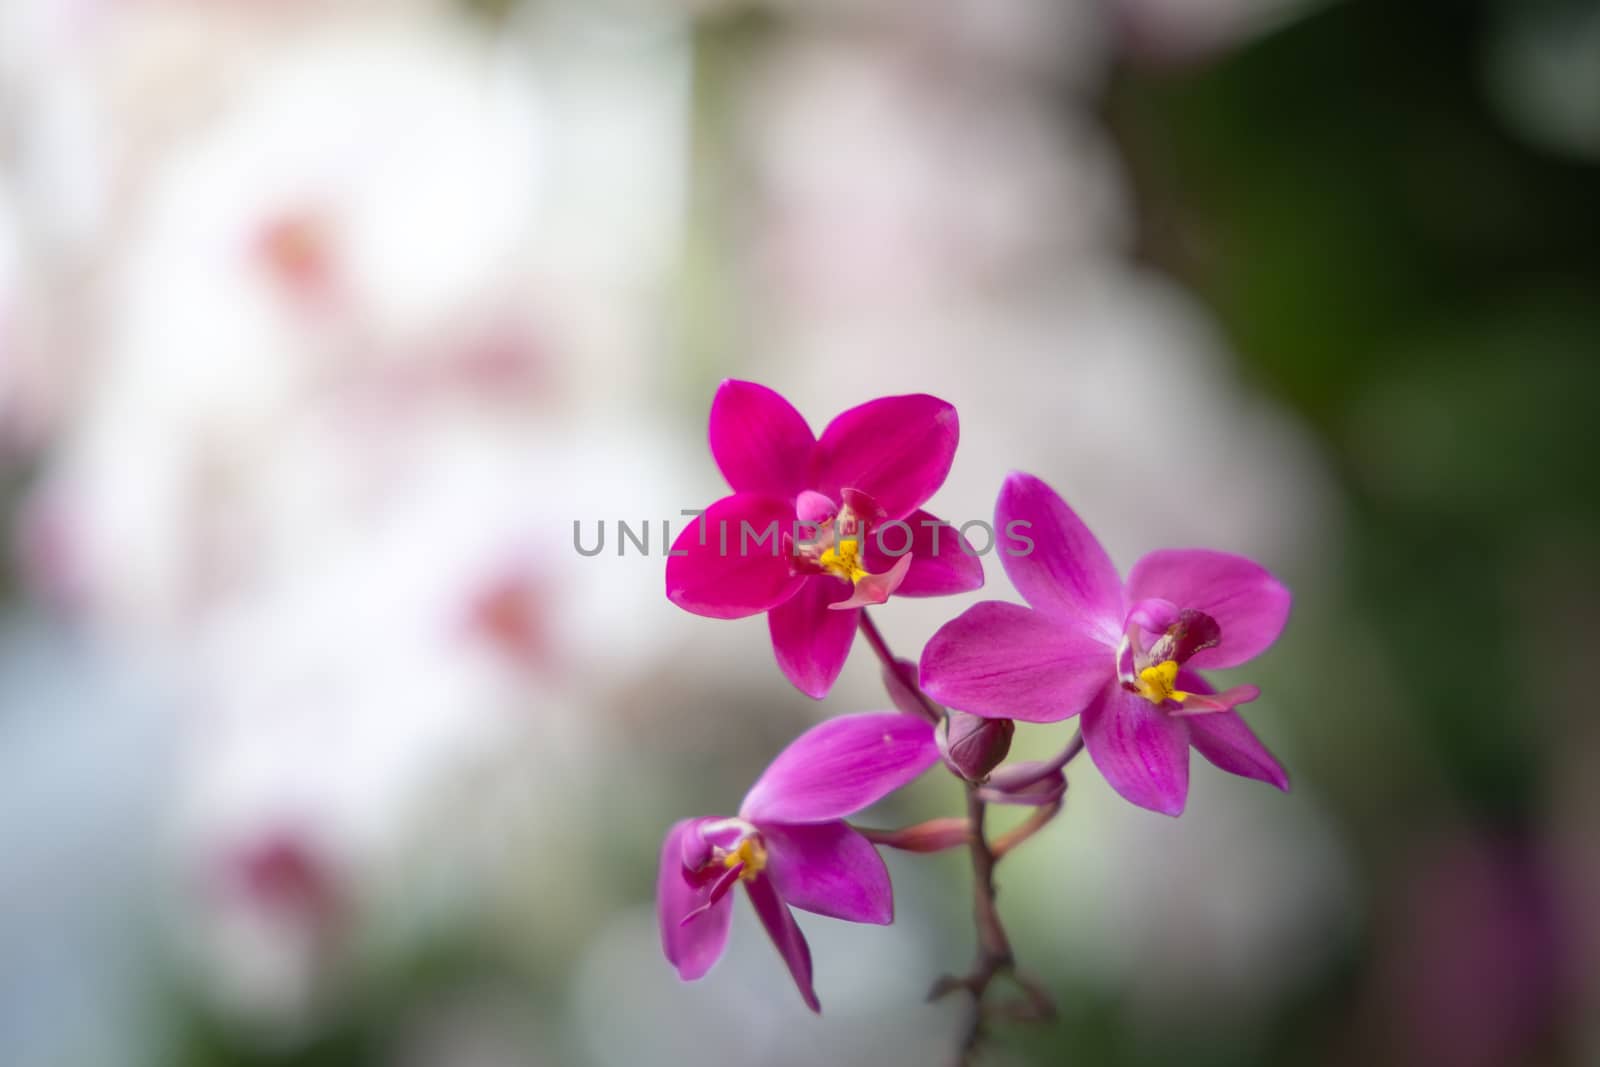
(321, 323)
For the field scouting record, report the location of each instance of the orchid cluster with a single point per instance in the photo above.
(818, 529)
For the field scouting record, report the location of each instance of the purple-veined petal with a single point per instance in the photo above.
(875, 588)
(760, 442)
(786, 935)
(809, 641)
(942, 561)
(695, 946)
(898, 449)
(1065, 572)
(841, 766)
(740, 569)
(1142, 752)
(1006, 661)
(1224, 740)
(829, 869)
(1243, 597)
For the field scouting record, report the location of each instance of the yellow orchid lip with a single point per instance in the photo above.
(1156, 683)
(749, 858)
(843, 558)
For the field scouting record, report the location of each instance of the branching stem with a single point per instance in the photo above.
(994, 956)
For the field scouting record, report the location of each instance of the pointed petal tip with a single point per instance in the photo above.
(1055, 561)
(829, 869)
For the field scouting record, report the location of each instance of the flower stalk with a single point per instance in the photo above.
(995, 957)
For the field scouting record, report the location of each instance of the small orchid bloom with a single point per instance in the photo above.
(789, 845)
(1122, 654)
(817, 528)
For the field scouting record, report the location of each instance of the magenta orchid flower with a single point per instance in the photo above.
(816, 528)
(1121, 654)
(789, 845)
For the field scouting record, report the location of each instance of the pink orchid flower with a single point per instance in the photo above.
(1122, 654)
(819, 527)
(789, 845)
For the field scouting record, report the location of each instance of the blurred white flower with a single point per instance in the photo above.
(885, 188)
(323, 468)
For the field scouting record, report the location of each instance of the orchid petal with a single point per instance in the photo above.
(809, 641)
(1006, 661)
(1065, 572)
(1142, 752)
(719, 887)
(943, 562)
(1153, 615)
(1225, 740)
(760, 442)
(815, 509)
(1243, 597)
(875, 588)
(729, 563)
(786, 935)
(841, 766)
(898, 449)
(829, 869)
(693, 947)
(1207, 704)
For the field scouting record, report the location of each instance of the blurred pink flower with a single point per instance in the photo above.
(790, 846)
(284, 876)
(871, 469)
(1476, 969)
(1081, 647)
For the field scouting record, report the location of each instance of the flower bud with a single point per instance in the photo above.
(971, 745)
(935, 835)
(1028, 784)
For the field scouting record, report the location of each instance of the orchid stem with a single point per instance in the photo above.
(1033, 824)
(1041, 816)
(880, 648)
(994, 956)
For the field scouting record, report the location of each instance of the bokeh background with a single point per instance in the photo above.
(321, 323)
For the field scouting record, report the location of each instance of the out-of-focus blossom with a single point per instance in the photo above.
(1190, 30)
(789, 845)
(819, 527)
(322, 464)
(1475, 968)
(1123, 655)
(884, 187)
(1543, 73)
